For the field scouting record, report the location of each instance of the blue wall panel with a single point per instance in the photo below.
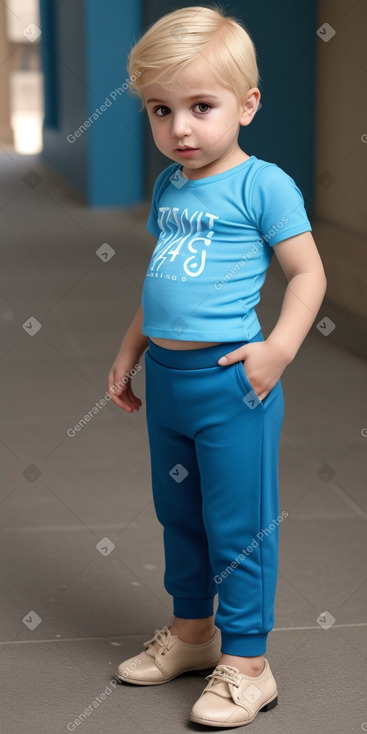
(84, 52)
(116, 140)
(62, 47)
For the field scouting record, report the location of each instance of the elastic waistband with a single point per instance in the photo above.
(196, 358)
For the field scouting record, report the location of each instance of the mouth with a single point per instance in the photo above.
(187, 152)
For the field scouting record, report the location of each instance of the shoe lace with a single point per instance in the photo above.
(161, 637)
(226, 673)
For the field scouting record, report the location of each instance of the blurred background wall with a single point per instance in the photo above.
(92, 130)
(340, 175)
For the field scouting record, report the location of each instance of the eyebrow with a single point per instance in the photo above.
(188, 99)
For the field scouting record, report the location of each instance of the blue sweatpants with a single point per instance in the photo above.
(214, 467)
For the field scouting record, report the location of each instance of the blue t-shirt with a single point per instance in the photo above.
(215, 238)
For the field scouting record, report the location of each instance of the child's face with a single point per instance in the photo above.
(186, 114)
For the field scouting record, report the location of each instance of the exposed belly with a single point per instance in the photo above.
(176, 344)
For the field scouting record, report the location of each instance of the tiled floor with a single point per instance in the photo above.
(61, 495)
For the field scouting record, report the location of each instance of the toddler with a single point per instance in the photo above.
(214, 399)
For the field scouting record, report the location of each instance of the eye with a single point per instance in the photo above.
(160, 108)
(203, 104)
(163, 111)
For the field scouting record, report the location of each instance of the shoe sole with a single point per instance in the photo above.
(122, 679)
(227, 725)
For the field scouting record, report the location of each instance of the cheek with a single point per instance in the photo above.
(160, 133)
(218, 129)
(216, 135)
(224, 133)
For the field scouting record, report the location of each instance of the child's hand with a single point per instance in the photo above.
(119, 383)
(263, 364)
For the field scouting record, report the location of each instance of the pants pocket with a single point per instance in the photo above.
(250, 397)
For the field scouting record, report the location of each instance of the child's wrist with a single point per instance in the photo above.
(286, 351)
(131, 352)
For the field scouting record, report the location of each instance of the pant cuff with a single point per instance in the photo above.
(193, 608)
(244, 645)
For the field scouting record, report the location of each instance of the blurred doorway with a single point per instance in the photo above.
(21, 77)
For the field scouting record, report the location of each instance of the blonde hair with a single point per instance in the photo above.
(186, 34)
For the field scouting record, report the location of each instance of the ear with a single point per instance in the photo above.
(249, 105)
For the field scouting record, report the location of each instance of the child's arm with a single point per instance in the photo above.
(132, 347)
(301, 263)
(134, 342)
(265, 361)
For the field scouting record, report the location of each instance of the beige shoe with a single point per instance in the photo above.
(234, 699)
(167, 657)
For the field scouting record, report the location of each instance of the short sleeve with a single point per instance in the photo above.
(159, 186)
(277, 205)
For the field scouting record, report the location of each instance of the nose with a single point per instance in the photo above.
(180, 126)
